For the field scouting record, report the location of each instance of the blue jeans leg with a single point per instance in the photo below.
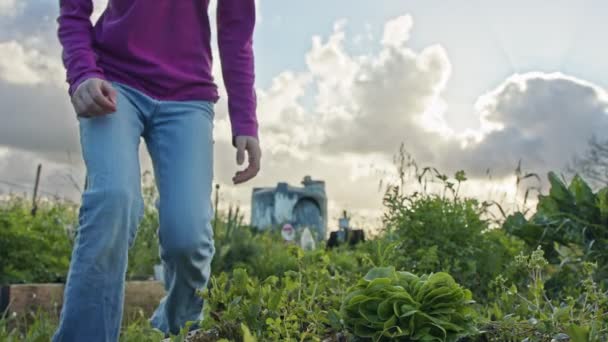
(110, 212)
(180, 141)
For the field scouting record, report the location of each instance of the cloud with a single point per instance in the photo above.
(369, 104)
(395, 91)
(340, 118)
(542, 119)
(23, 66)
(60, 179)
(9, 8)
(397, 31)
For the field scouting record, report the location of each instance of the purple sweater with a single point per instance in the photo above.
(163, 48)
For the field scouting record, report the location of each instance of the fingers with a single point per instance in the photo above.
(101, 95)
(254, 154)
(78, 106)
(94, 97)
(109, 92)
(240, 150)
(244, 176)
(92, 108)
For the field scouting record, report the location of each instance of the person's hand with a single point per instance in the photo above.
(254, 154)
(94, 97)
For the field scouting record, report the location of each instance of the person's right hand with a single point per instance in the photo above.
(94, 97)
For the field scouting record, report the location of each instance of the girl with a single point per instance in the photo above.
(144, 70)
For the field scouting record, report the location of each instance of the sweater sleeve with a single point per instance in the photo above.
(75, 33)
(236, 22)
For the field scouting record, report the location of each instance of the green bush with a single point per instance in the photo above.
(262, 254)
(293, 306)
(262, 288)
(50, 233)
(37, 326)
(447, 233)
(399, 306)
(144, 253)
(571, 226)
(35, 248)
(525, 312)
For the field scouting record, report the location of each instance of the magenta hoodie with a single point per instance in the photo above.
(163, 48)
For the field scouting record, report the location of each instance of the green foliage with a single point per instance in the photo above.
(295, 306)
(36, 326)
(526, 313)
(570, 224)
(138, 329)
(247, 336)
(446, 233)
(40, 326)
(35, 248)
(266, 290)
(262, 254)
(399, 306)
(144, 253)
(51, 234)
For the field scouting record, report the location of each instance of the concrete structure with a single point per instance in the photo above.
(300, 206)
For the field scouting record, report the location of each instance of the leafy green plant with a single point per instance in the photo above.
(247, 336)
(445, 232)
(35, 326)
(387, 305)
(527, 313)
(262, 254)
(47, 234)
(39, 326)
(144, 253)
(51, 234)
(298, 305)
(138, 329)
(570, 224)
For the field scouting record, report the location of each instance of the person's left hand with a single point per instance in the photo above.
(254, 154)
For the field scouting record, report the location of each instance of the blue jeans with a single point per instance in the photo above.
(179, 138)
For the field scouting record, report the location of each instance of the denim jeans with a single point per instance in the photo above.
(179, 138)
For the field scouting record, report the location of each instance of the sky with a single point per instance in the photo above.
(473, 86)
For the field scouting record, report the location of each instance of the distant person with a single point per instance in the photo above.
(144, 70)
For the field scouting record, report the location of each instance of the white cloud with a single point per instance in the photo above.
(20, 65)
(543, 119)
(389, 92)
(339, 119)
(18, 173)
(10, 8)
(397, 31)
(366, 105)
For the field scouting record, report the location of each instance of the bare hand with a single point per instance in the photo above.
(254, 154)
(94, 97)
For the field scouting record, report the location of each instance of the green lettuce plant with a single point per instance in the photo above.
(389, 305)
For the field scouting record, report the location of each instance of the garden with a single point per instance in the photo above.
(444, 267)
